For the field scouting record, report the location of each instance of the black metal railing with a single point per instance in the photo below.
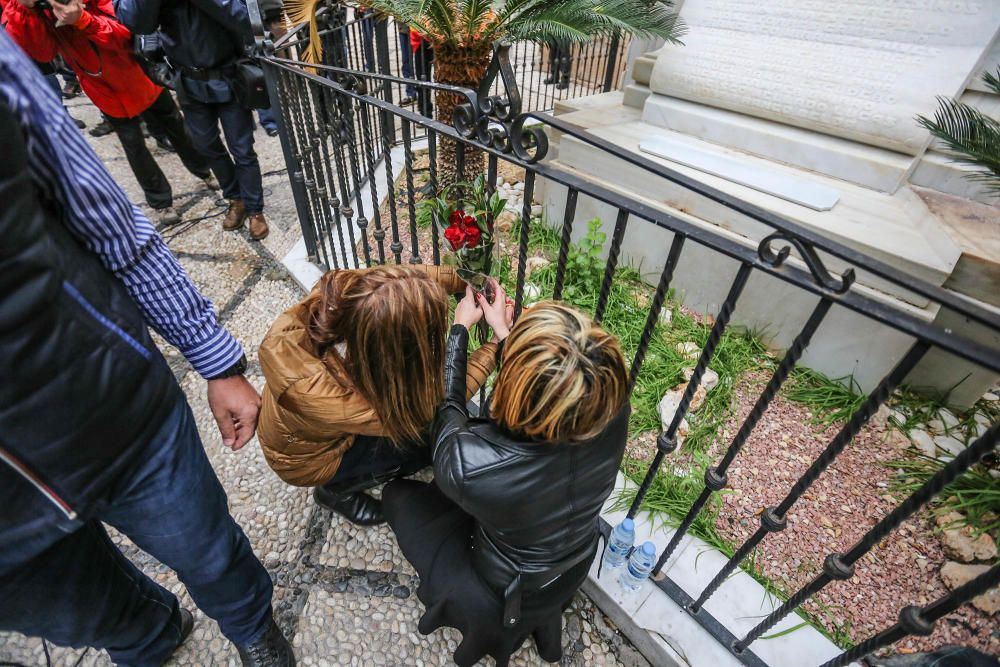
(322, 109)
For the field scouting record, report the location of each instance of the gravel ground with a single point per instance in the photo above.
(344, 594)
(845, 502)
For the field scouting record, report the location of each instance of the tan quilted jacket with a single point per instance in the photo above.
(308, 419)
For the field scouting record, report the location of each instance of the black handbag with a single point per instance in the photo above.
(249, 85)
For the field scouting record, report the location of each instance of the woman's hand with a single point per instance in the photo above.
(499, 314)
(467, 313)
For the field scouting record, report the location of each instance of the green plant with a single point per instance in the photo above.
(584, 264)
(975, 494)
(971, 136)
(831, 400)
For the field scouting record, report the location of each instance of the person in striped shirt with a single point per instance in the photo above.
(94, 428)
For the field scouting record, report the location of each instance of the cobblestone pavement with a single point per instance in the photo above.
(344, 594)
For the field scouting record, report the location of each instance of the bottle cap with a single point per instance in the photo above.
(648, 549)
(628, 525)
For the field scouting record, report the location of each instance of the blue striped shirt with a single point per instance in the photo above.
(98, 213)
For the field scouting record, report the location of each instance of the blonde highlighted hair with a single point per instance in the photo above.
(562, 378)
(391, 323)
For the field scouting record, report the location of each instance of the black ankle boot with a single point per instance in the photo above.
(356, 506)
(271, 650)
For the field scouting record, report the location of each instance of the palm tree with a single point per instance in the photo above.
(971, 136)
(462, 33)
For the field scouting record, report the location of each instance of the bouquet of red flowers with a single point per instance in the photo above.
(465, 213)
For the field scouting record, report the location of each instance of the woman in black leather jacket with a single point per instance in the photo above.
(507, 535)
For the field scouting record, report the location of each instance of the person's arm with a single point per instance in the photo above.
(28, 28)
(142, 17)
(449, 430)
(98, 27)
(97, 212)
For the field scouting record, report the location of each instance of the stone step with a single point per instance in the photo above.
(898, 229)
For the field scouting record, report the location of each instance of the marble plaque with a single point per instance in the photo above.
(857, 69)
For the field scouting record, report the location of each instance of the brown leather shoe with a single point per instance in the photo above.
(258, 226)
(235, 216)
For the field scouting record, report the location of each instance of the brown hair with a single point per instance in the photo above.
(563, 377)
(392, 321)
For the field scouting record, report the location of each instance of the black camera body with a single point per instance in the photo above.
(44, 4)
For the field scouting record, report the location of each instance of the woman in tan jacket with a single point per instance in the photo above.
(354, 375)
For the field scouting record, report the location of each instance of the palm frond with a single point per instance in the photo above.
(993, 80)
(578, 20)
(971, 138)
(302, 11)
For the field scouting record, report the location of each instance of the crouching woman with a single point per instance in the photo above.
(506, 536)
(354, 375)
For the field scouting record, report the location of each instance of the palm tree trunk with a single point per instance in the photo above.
(458, 67)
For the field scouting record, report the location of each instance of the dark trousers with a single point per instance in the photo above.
(164, 115)
(81, 591)
(560, 62)
(371, 461)
(423, 60)
(237, 167)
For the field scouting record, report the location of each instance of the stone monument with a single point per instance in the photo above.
(807, 108)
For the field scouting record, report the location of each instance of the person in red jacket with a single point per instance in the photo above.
(99, 49)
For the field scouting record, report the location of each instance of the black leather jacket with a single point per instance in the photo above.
(536, 504)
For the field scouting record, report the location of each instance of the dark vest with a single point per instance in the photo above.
(82, 386)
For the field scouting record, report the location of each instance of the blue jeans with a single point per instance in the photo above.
(81, 591)
(406, 64)
(267, 119)
(237, 168)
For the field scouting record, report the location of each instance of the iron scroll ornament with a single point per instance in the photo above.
(822, 275)
(496, 121)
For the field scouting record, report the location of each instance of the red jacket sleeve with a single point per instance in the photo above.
(102, 28)
(29, 31)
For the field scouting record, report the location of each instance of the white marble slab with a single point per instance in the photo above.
(789, 187)
(858, 69)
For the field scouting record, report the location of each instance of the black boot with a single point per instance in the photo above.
(356, 506)
(187, 625)
(271, 650)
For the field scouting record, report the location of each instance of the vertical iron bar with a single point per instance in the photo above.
(841, 566)
(432, 167)
(410, 203)
(272, 73)
(460, 161)
(773, 519)
(612, 63)
(715, 479)
(522, 246)
(396, 247)
(609, 269)
(307, 150)
(369, 150)
(569, 213)
(666, 276)
(332, 129)
(920, 620)
(666, 442)
(328, 192)
(339, 145)
(382, 56)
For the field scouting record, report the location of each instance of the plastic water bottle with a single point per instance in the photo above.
(638, 568)
(619, 545)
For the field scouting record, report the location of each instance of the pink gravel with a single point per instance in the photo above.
(848, 499)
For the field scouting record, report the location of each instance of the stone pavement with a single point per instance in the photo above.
(344, 594)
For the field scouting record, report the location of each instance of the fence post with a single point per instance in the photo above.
(263, 47)
(384, 66)
(612, 62)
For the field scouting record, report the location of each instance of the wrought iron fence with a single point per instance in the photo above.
(336, 126)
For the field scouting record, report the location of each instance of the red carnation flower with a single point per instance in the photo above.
(456, 217)
(470, 221)
(472, 236)
(456, 237)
